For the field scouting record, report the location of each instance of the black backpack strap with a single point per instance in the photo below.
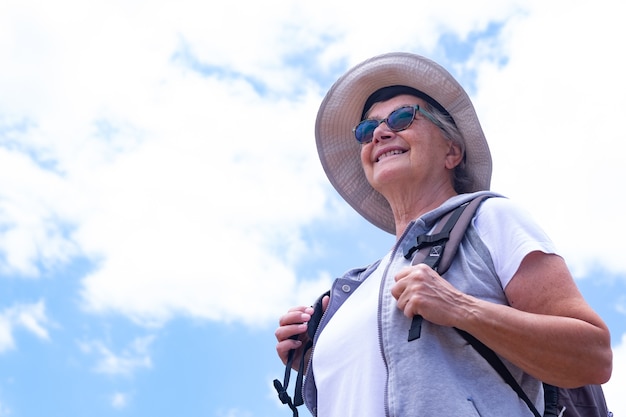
(497, 364)
(282, 388)
(283, 396)
(551, 397)
(447, 234)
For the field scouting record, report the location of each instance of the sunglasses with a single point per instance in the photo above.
(397, 121)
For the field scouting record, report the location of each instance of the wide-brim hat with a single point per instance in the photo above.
(341, 110)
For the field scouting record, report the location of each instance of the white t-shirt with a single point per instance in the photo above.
(512, 232)
(350, 374)
(348, 365)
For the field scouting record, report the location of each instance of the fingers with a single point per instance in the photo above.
(291, 326)
(416, 288)
(404, 272)
(407, 301)
(293, 323)
(284, 346)
(410, 279)
(419, 290)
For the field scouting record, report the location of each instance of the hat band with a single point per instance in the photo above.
(386, 93)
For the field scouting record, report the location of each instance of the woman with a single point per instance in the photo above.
(419, 152)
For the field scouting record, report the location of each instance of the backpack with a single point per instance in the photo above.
(585, 401)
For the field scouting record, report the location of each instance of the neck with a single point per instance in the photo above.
(408, 206)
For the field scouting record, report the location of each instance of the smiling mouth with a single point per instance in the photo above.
(390, 153)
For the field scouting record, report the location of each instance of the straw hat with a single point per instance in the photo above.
(341, 110)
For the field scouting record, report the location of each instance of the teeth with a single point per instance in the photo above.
(386, 154)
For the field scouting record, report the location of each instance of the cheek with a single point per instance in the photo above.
(365, 156)
(366, 162)
(363, 153)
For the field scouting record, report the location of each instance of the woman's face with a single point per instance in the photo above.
(417, 157)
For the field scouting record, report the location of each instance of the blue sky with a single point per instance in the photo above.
(162, 204)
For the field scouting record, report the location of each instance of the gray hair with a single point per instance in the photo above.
(461, 179)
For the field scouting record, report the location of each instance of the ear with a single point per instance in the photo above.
(454, 156)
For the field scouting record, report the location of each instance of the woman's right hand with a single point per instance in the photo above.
(291, 333)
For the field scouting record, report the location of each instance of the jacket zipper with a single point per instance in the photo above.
(380, 301)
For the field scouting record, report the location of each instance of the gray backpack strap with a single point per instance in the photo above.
(447, 234)
(458, 231)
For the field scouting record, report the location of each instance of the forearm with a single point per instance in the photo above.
(559, 350)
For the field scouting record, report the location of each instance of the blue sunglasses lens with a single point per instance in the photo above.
(364, 131)
(397, 120)
(401, 119)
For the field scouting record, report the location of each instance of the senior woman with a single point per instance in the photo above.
(418, 151)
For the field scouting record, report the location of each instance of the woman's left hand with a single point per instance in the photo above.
(422, 291)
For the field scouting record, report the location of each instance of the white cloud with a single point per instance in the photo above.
(4, 410)
(136, 356)
(167, 178)
(6, 335)
(33, 235)
(233, 412)
(549, 114)
(179, 156)
(29, 317)
(119, 400)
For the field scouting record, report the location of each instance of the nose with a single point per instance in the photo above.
(382, 132)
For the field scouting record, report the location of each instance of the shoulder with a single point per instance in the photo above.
(510, 233)
(500, 206)
(500, 215)
(502, 211)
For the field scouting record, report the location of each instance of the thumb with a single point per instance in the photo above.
(325, 301)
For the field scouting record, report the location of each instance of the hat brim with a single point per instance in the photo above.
(341, 110)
